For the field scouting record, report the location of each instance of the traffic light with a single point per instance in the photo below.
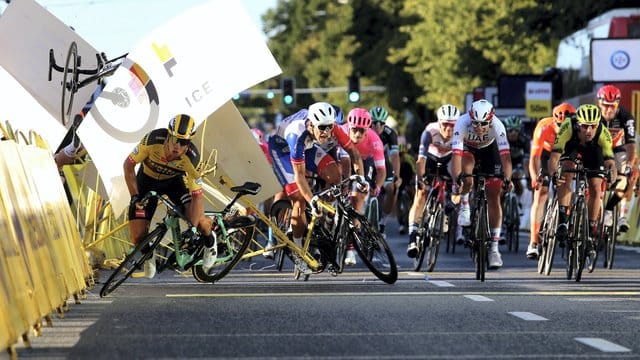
(353, 93)
(288, 86)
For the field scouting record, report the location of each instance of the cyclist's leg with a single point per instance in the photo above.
(468, 163)
(415, 214)
(491, 163)
(593, 160)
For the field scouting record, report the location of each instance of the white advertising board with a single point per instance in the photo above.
(615, 60)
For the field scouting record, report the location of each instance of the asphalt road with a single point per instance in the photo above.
(257, 312)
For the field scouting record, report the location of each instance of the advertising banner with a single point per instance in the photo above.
(538, 99)
(615, 60)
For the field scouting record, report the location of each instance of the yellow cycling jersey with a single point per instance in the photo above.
(150, 152)
(568, 133)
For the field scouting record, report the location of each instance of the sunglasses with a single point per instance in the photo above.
(480, 123)
(325, 127)
(588, 126)
(174, 139)
(447, 125)
(562, 115)
(358, 130)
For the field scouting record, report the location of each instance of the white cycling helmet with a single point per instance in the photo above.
(448, 114)
(322, 113)
(481, 111)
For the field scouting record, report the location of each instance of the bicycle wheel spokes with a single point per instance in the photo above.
(230, 251)
(424, 236)
(69, 83)
(134, 261)
(373, 249)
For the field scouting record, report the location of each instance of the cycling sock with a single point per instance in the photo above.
(464, 200)
(298, 241)
(593, 227)
(613, 201)
(413, 227)
(495, 234)
(624, 208)
(209, 240)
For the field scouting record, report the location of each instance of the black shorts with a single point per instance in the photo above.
(174, 188)
(592, 158)
(487, 160)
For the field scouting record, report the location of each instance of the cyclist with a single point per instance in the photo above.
(544, 136)
(342, 156)
(371, 150)
(479, 137)
(621, 125)
(519, 144)
(169, 164)
(408, 174)
(294, 152)
(393, 181)
(583, 135)
(435, 148)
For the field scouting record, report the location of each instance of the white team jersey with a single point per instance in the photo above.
(432, 144)
(463, 134)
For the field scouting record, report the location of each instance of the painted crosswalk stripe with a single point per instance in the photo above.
(441, 283)
(478, 298)
(603, 345)
(524, 315)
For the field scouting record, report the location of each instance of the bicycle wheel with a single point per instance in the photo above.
(230, 250)
(373, 214)
(581, 239)
(481, 240)
(610, 241)
(436, 234)
(551, 238)
(281, 215)
(424, 234)
(372, 248)
(135, 260)
(514, 228)
(69, 82)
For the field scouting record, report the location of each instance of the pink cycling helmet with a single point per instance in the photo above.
(359, 118)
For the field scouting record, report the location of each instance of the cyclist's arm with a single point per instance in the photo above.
(350, 148)
(503, 147)
(299, 175)
(564, 135)
(457, 147)
(606, 144)
(129, 168)
(394, 154)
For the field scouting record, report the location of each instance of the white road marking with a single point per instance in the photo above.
(527, 316)
(441, 283)
(478, 298)
(602, 345)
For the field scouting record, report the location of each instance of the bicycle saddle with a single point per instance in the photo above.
(247, 188)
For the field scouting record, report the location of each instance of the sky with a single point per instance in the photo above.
(114, 26)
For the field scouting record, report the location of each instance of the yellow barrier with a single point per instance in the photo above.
(42, 260)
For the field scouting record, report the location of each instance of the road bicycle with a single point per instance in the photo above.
(480, 236)
(326, 242)
(511, 220)
(434, 224)
(548, 239)
(185, 249)
(71, 72)
(581, 248)
(609, 234)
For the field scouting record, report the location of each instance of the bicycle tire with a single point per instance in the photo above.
(514, 236)
(72, 71)
(482, 239)
(372, 248)
(341, 245)
(423, 234)
(134, 260)
(552, 240)
(373, 213)
(436, 235)
(281, 212)
(239, 235)
(582, 237)
(610, 244)
(453, 228)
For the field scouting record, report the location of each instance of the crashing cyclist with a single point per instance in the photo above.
(294, 153)
(582, 135)
(393, 180)
(169, 165)
(622, 126)
(371, 150)
(542, 142)
(434, 152)
(479, 141)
